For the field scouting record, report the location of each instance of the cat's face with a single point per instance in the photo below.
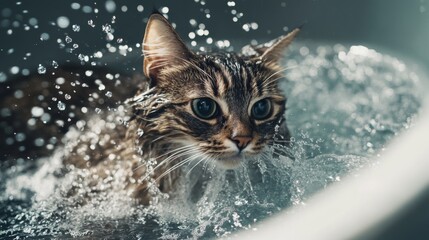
(225, 106)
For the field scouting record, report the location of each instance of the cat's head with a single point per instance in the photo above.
(224, 106)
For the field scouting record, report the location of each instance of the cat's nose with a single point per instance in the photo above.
(242, 141)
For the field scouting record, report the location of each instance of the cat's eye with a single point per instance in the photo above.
(204, 108)
(261, 109)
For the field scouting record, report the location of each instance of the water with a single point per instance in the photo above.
(345, 103)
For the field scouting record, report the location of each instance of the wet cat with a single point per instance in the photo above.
(218, 108)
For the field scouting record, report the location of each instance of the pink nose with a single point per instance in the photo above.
(242, 141)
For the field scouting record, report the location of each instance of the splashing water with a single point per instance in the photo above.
(344, 105)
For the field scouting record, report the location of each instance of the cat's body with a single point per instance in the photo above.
(222, 109)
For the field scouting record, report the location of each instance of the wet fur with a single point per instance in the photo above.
(155, 132)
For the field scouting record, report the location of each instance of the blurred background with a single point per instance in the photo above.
(34, 32)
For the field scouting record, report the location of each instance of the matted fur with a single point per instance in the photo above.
(145, 142)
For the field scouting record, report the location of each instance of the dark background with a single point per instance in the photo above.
(396, 26)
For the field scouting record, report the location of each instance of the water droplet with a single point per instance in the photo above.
(140, 132)
(110, 6)
(37, 111)
(61, 106)
(91, 23)
(109, 37)
(106, 28)
(3, 77)
(76, 28)
(68, 39)
(83, 58)
(75, 6)
(41, 69)
(165, 10)
(63, 22)
(44, 36)
(54, 64)
(14, 70)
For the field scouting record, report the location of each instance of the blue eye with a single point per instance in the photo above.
(204, 108)
(261, 109)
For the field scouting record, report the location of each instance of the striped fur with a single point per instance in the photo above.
(161, 133)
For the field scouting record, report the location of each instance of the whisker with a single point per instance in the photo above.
(177, 165)
(202, 159)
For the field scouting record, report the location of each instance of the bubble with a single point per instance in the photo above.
(63, 22)
(61, 106)
(119, 40)
(109, 94)
(76, 28)
(41, 69)
(98, 110)
(67, 96)
(124, 8)
(140, 8)
(110, 6)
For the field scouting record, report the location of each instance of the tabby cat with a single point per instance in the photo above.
(219, 108)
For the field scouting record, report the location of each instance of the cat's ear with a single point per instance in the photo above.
(162, 46)
(273, 50)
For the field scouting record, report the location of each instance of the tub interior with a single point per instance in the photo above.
(352, 84)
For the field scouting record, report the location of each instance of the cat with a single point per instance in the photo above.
(220, 108)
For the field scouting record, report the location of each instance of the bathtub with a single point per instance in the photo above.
(389, 201)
